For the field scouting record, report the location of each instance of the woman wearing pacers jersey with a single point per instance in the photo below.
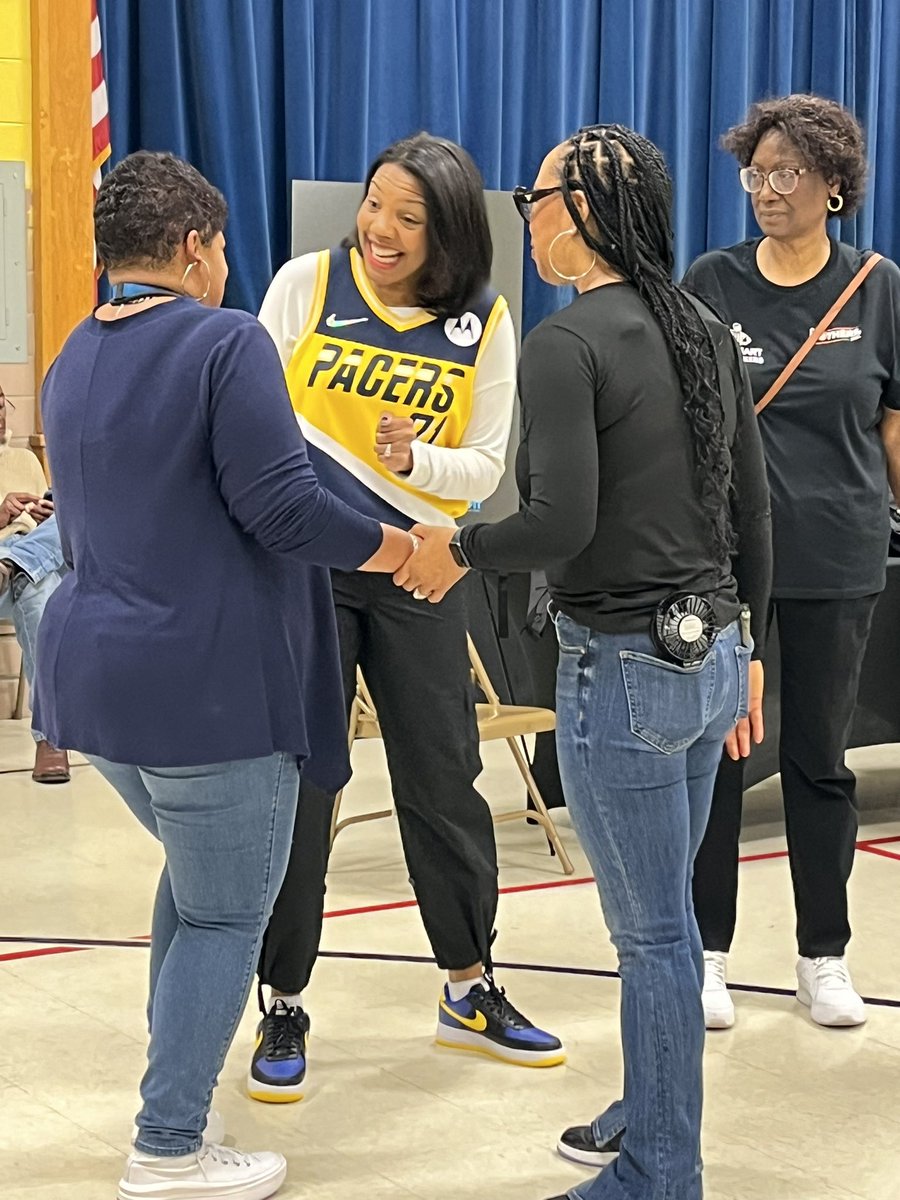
(401, 367)
(832, 443)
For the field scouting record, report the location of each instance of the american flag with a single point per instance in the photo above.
(99, 106)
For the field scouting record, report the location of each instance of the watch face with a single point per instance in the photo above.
(456, 552)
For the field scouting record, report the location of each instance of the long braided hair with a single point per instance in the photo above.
(628, 190)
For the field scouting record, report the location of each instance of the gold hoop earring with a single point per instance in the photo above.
(837, 206)
(559, 274)
(187, 271)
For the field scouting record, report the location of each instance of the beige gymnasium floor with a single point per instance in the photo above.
(793, 1112)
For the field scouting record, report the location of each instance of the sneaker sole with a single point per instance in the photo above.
(274, 1093)
(464, 1039)
(837, 1020)
(261, 1189)
(719, 1021)
(586, 1158)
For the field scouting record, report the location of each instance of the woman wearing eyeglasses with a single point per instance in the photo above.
(640, 466)
(832, 443)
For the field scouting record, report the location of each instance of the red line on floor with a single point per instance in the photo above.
(504, 891)
(42, 953)
(371, 908)
(521, 887)
(881, 853)
(870, 845)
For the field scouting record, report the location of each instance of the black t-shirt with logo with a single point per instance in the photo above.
(825, 457)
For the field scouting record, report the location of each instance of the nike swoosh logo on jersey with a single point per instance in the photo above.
(334, 322)
(478, 1023)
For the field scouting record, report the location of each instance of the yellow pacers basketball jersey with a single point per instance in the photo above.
(356, 359)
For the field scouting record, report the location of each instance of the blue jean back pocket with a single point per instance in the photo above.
(668, 706)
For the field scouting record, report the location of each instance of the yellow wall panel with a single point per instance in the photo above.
(15, 32)
(15, 141)
(15, 90)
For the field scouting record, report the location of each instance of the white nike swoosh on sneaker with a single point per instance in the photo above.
(334, 322)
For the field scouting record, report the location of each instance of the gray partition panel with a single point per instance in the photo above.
(323, 213)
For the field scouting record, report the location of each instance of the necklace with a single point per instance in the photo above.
(137, 293)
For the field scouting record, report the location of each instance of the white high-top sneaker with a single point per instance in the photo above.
(825, 987)
(718, 1009)
(213, 1173)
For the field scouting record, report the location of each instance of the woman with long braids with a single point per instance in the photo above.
(645, 500)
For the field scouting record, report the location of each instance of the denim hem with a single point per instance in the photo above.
(143, 1148)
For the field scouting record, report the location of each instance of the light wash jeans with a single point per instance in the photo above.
(226, 829)
(39, 554)
(639, 743)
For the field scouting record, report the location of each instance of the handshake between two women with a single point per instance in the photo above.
(431, 571)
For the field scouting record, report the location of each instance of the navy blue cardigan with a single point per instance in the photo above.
(197, 624)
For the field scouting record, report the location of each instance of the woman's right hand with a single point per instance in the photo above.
(750, 730)
(396, 547)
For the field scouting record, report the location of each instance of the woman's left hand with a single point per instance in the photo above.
(750, 730)
(430, 573)
(394, 437)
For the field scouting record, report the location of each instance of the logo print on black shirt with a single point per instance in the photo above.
(750, 354)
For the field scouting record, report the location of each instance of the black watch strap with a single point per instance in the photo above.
(457, 552)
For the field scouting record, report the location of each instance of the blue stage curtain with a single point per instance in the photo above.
(258, 92)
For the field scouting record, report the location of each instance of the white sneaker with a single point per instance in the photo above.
(213, 1130)
(825, 987)
(718, 1009)
(213, 1173)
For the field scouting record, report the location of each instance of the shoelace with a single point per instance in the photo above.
(498, 1006)
(225, 1156)
(714, 971)
(832, 972)
(284, 1032)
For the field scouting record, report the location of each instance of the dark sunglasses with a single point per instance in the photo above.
(526, 198)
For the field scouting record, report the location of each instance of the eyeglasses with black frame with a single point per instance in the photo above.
(782, 180)
(526, 198)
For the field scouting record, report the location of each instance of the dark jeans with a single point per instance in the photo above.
(413, 657)
(822, 647)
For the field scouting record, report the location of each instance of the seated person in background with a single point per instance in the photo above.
(31, 566)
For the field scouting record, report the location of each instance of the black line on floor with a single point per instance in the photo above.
(371, 956)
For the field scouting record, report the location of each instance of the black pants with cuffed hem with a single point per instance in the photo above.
(414, 660)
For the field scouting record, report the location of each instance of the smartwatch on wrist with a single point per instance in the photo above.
(456, 551)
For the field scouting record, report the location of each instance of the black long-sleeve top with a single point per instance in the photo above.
(606, 473)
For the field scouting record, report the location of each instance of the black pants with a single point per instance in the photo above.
(822, 645)
(413, 657)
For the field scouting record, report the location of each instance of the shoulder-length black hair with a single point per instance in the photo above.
(460, 250)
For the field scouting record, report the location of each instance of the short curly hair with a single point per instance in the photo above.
(827, 136)
(148, 204)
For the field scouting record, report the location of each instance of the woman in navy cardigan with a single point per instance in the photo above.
(191, 652)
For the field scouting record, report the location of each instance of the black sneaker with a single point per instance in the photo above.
(485, 1021)
(578, 1145)
(278, 1068)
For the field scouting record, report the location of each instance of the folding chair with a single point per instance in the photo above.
(495, 721)
(7, 629)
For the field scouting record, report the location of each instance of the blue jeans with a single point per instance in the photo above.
(639, 742)
(226, 830)
(39, 555)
